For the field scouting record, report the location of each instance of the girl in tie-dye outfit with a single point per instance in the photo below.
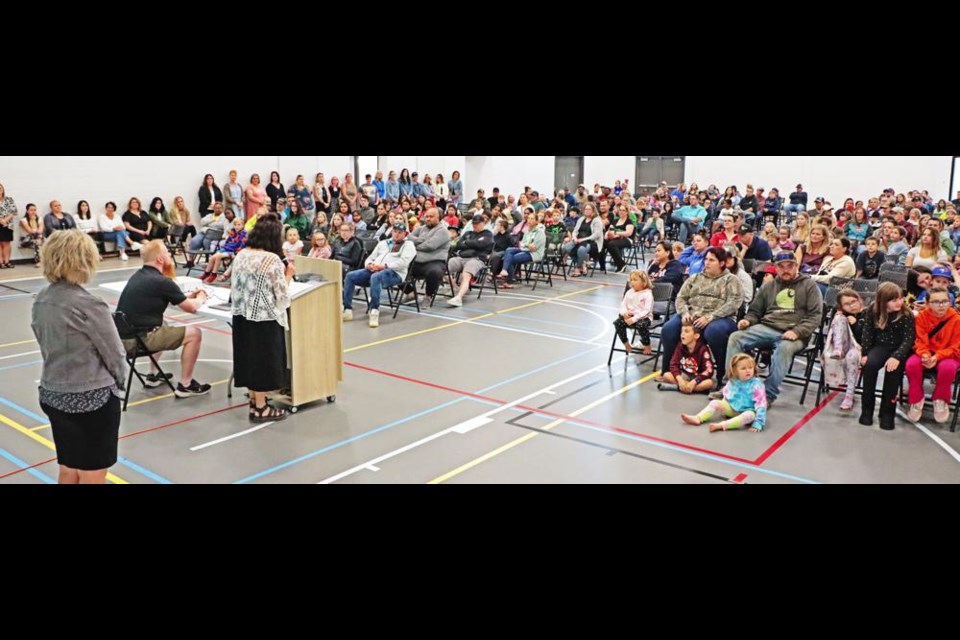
(744, 401)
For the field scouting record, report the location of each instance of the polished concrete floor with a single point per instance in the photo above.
(511, 389)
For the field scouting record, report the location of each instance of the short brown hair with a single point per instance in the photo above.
(69, 255)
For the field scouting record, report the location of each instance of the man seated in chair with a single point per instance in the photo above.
(218, 220)
(432, 241)
(144, 301)
(386, 267)
(471, 254)
(783, 316)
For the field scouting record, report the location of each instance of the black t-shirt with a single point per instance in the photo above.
(870, 266)
(137, 221)
(147, 296)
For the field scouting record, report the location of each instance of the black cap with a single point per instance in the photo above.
(746, 229)
(478, 219)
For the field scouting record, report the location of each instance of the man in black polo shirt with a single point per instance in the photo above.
(145, 300)
(753, 247)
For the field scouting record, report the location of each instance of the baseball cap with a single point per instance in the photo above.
(942, 272)
(785, 256)
(828, 207)
(478, 219)
(744, 229)
(819, 199)
(402, 226)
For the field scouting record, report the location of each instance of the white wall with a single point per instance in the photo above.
(834, 177)
(510, 173)
(608, 169)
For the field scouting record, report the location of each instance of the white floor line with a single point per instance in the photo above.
(943, 445)
(20, 355)
(233, 437)
(567, 301)
(40, 277)
(603, 320)
(483, 417)
(480, 323)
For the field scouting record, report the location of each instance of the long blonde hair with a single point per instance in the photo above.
(824, 244)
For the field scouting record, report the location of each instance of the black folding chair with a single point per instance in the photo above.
(128, 332)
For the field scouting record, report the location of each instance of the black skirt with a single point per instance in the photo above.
(86, 441)
(259, 355)
(6, 235)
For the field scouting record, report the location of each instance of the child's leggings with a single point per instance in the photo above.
(723, 408)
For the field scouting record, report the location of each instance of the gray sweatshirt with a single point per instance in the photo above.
(788, 306)
(432, 244)
(78, 339)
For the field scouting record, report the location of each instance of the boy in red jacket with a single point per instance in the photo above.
(691, 368)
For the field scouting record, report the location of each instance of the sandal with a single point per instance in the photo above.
(267, 413)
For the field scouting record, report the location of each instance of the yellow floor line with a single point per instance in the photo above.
(14, 344)
(470, 320)
(16, 426)
(531, 436)
(40, 428)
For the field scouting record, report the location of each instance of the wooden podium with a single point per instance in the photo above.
(315, 343)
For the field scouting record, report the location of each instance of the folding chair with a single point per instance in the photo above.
(214, 236)
(128, 332)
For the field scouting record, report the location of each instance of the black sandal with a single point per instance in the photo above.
(267, 413)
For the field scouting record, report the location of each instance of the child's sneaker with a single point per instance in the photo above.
(915, 412)
(847, 404)
(941, 411)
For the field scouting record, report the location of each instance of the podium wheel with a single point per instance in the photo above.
(331, 399)
(294, 409)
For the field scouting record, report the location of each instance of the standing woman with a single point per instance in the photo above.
(321, 194)
(256, 196)
(334, 193)
(84, 363)
(275, 190)
(442, 192)
(209, 193)
(428, 190)
(8, 213)
(233, 195)
(350, 192)
(304, 197)
(406, 185)
(260, 302)
(456, 188)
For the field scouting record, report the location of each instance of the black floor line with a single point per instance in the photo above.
(614, 450)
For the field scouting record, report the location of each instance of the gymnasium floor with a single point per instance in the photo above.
(513, 389)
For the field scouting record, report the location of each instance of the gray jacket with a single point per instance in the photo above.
(78, 339)
(432, 244)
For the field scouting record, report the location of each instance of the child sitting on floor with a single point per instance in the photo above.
(744, 400)
(636, 311)
(691, 368)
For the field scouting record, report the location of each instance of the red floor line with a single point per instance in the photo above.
(183, 421)
(33, 466)
(740, 479)
(551, 414)
(792, 432)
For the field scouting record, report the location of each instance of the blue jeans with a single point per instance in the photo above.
(686, 228)
(762, 337)
(376, 282)
(512, 258)
(716, 334)
(201, 242)
(118, 237)
(578, 252)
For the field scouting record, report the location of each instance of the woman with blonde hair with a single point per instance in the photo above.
(255, 196)
(181, 215)
(84, 363)
(801, 229)
(810, 255)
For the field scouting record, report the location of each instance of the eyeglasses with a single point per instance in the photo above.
(940, 303)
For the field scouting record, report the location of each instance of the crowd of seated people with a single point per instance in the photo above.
(706, 243)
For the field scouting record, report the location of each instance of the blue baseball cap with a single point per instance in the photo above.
(785, 256)
(942, 272)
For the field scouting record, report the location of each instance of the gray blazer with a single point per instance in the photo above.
(78, 339)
